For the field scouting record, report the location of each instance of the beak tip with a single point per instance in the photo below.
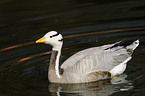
(41, 40)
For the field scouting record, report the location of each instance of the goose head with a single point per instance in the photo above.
(52, 38)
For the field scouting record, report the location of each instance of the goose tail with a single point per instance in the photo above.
(130, 45)
(133, 45)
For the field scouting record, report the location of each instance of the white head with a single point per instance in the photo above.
(53, 38)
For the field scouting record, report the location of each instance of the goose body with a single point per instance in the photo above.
(88, 65)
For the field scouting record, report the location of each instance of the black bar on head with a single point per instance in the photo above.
(55, 34)
(60, 40)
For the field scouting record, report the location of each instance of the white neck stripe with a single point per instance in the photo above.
(57, 65)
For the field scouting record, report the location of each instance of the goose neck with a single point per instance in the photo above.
(56, 58)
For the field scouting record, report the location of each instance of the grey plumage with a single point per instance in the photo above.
(90, 64)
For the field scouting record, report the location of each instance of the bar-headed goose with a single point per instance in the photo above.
(88, 65)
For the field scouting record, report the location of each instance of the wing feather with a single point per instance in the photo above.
(95, 59)
(78, 56)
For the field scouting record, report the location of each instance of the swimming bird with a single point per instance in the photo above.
(88, 65)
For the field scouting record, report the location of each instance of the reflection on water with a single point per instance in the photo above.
(100, 88)
(24, 64)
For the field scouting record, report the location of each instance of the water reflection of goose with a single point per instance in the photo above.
(87, 65)
(97, 88)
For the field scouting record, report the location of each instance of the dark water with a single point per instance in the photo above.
(84, 24)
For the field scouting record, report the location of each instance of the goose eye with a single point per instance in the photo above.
(50, 36)
(135, 42)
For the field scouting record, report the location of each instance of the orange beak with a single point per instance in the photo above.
(41, 40)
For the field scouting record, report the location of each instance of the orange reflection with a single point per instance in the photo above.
(16, 46)
(103, 32)
(30, 57)
(46, 60)
(37, 55)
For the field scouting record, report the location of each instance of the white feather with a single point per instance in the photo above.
(119, 69)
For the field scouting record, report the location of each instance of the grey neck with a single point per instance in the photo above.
(54, 67)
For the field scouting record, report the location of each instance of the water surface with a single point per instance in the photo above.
(84, 24)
